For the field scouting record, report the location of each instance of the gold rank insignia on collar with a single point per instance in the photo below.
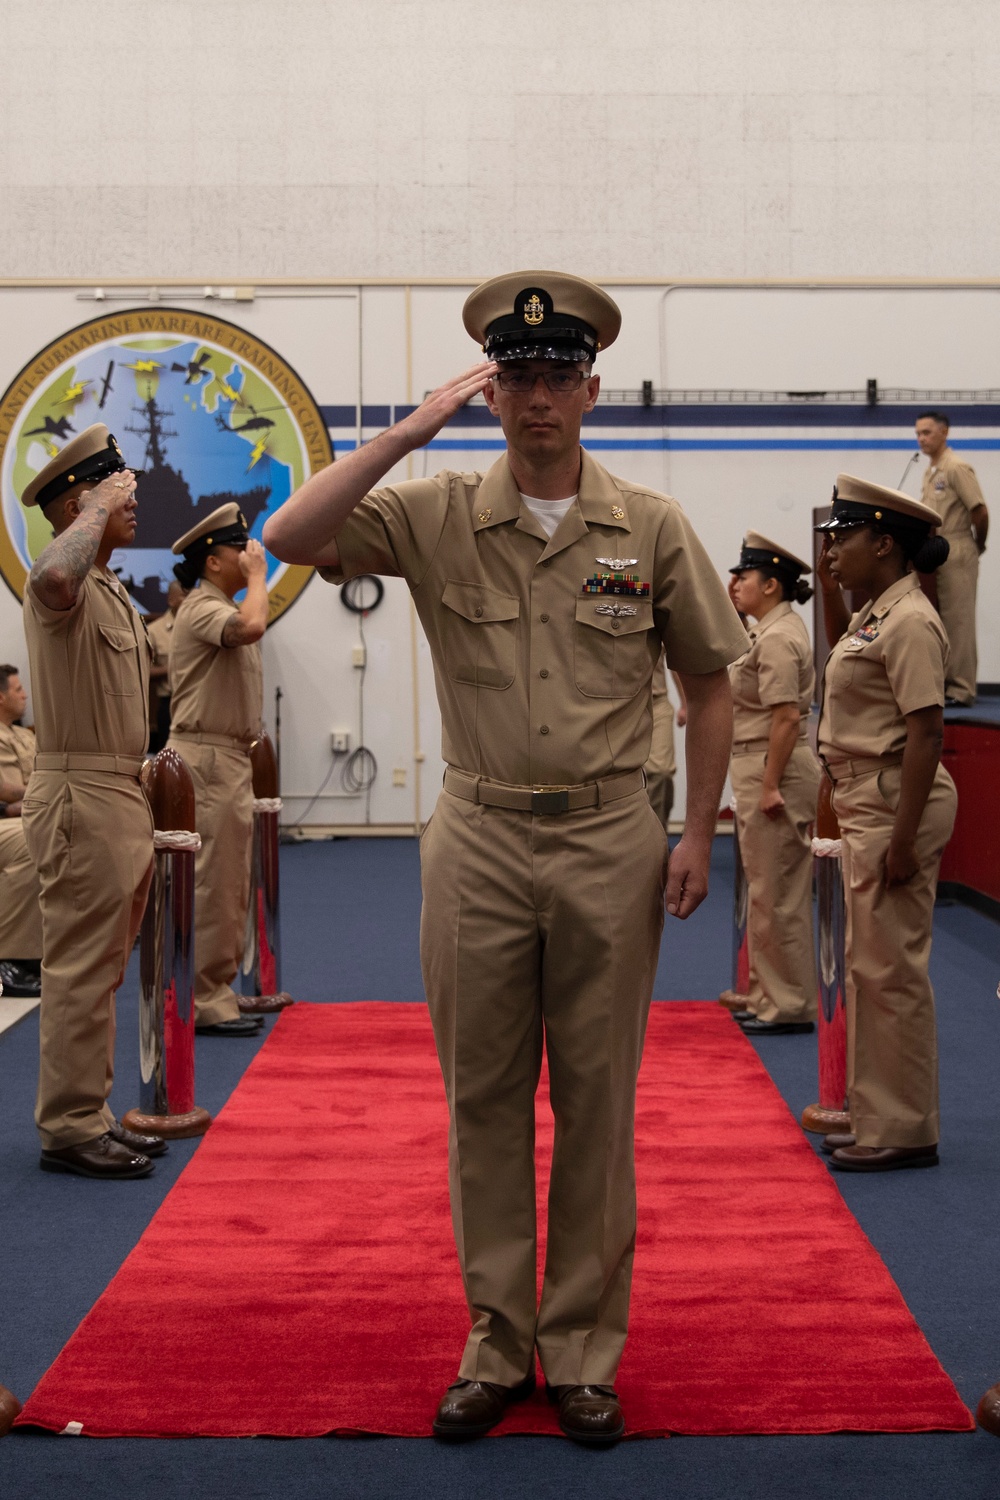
(617, 512)
(484, 515)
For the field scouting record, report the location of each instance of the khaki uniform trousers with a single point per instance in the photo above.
(956, 590)
(223, 790)
(661, 767)
(539, 927)
(20, 912)
(892, 1065)
(777, 860)
(90, 834)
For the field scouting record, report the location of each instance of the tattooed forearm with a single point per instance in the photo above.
(58, 574)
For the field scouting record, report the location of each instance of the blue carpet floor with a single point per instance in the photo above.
(351, 912)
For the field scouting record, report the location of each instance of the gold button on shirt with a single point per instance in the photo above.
(17, 753)
(89, 671)
(778, 668)
(503, 605)
(952, 489)
(890, 662)
(214, 689)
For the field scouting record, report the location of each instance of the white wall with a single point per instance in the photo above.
(761, 339)
(647, 138)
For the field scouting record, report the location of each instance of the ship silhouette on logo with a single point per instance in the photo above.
(166, 506)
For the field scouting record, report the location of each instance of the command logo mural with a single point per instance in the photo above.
(203, 412)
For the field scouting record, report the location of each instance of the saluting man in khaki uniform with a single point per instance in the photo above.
(20, 913)
(880, 735)
(775, 779)
(547, 589)
(217, 698)
(87, 823)
(952, 490)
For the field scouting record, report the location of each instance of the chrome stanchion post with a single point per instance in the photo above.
(830, 1113)
(260, 970)
(166, 962)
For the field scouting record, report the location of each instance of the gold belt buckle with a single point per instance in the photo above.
(550, 799)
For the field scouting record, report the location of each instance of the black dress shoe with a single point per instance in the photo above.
(743, 1015)
(21, 980)
(145, 1145)
(883, 1158)
(238, 1026)
(756, 1027)
(104, 1157)
(469, 1408)
(589, 1413)
(836, 1141)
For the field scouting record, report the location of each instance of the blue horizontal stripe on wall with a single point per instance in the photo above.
(707, 445)
(683, 414)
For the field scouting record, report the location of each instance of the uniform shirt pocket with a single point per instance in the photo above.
(479, 626)
(614, 655)
(120, 663)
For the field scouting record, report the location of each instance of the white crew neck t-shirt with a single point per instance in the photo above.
(548, 512)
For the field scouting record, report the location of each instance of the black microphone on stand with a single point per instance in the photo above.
(910, 462)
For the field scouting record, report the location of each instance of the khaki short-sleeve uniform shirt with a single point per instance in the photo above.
(778, 668)
(539, 681)
(161, 634)
(889, 662)
(17, 753)
(215, 689)
(89, 671)
(952, 489)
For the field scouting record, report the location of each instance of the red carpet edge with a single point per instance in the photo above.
(300, 1278)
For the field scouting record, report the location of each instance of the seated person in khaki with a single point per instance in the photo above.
(20, 914)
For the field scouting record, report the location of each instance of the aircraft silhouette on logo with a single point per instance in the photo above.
(106, 385)
(52, 427)
(196, 368)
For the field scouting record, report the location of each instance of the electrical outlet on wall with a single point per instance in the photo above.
(340, 741)
(399, 775)
(357, 656)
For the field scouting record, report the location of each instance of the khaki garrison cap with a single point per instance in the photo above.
(89, 457)
(226, 526)
(541, 315)
(858, 502)
(760, 552)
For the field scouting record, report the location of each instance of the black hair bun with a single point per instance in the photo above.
(803, 593)
(187, 574)
(932, 553)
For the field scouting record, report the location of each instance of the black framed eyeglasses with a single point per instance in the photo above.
(522, 382)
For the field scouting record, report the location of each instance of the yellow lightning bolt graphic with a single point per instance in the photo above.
(145, 366)
(51, 448)
(74, 392)
(230, 393)
(259, 449)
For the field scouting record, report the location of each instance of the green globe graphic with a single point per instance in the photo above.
(199, 427)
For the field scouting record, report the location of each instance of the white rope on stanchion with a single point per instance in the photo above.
(267, 804)
(176, 838)
(826, 848)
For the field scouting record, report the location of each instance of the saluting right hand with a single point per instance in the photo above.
(827, 584)
(114, 492)
(253, 561)
(441, 405)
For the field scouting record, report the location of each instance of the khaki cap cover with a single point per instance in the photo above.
(571, 296)
(88, 444)
(857, 491)
(754, 542)
(226, 518)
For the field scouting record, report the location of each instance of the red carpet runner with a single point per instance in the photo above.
(300, 1278)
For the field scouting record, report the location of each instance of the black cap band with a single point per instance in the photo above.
(761, 557)
(855, 513)
(235, 535)
(97, 466)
